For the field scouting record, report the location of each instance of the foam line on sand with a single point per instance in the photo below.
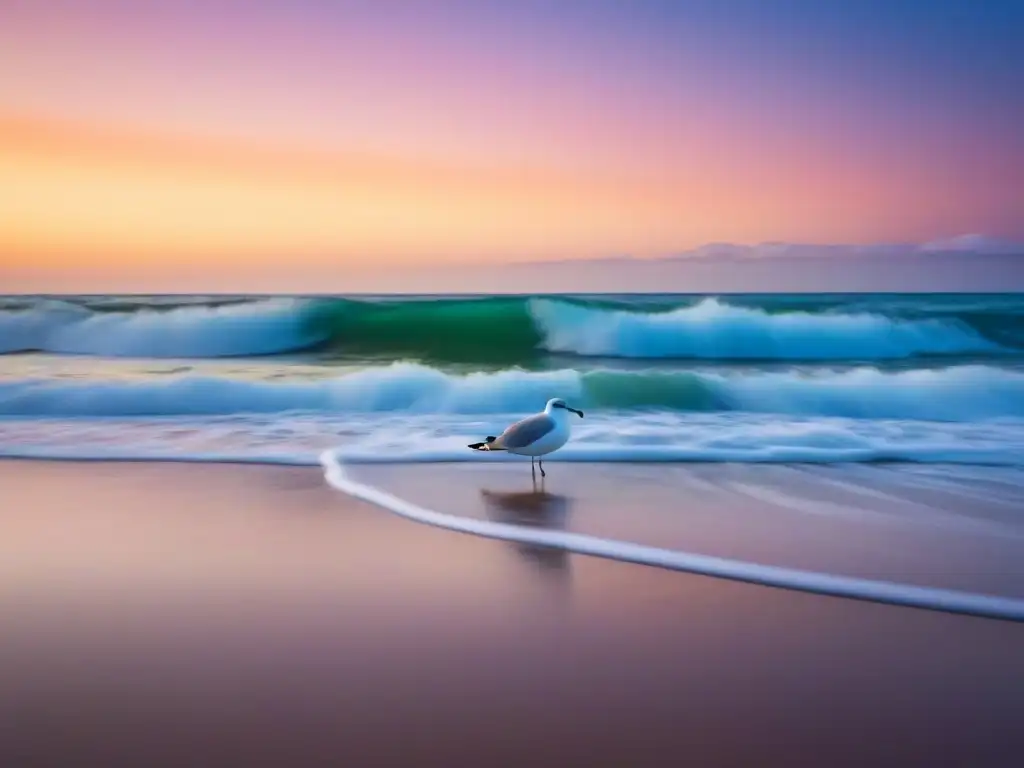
(950, 601)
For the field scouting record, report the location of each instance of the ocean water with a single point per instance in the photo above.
(923, 392)
(775, 378)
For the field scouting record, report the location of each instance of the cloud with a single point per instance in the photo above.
(962, 244)
(782, 250)
(973, 243)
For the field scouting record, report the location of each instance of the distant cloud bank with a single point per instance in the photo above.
(961, 244)
(973, 244)
(966, 263)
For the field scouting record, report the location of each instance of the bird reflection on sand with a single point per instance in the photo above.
(538, 509)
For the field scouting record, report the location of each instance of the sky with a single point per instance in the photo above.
(276, 145)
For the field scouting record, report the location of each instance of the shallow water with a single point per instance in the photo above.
(885, 532)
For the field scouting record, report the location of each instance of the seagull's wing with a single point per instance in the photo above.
(525, 432)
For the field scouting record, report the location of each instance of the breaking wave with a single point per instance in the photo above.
(250, 328)
(713, 330)
(961, 393)
(508, 330)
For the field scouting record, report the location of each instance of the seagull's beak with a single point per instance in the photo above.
(578, 413)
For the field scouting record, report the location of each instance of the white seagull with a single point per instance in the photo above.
(536, 435)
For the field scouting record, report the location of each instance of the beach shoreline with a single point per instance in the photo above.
(164, 613)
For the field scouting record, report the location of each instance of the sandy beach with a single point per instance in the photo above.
(295, 294)
(194, 614)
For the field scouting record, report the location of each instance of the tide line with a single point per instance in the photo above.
(892, 593)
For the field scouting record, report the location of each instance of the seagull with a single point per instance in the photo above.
(536, 435)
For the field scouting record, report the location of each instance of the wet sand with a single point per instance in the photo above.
(885, 522)
(190, 614)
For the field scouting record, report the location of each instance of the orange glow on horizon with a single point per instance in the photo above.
(115, 197)
(131, 196)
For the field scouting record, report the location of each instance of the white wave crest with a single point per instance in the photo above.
(397, 387)
(252, 328)
(713, 330)
(963, 393)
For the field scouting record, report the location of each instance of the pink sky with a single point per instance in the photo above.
(140, 142)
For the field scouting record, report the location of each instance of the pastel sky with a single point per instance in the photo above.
(297, 142)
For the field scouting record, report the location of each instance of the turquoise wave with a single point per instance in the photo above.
(517, 330)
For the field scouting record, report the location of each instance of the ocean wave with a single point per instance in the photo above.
(961, 393)
(714, 330)
(250, 328)
(508, 330)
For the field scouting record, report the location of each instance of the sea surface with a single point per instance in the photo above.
(746, 378)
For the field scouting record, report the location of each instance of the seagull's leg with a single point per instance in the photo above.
(542, 472)
(533, 470)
